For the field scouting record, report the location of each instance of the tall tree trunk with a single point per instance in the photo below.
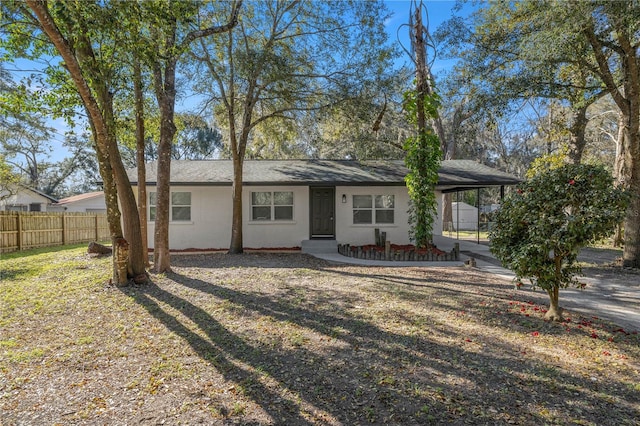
(620, 173)
(422, 89)
(161, 255)
(104, 137)
(111, 201)
(130, 220)
(166, 94)
(627, 98)
(164, 76)
(631, 254)
(140, 160)
(238, 148)
(578, 130)
(448, 147)
(236, 245)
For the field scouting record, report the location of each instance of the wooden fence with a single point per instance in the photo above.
(26, 230)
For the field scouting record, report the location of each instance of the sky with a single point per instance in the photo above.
(438, 12)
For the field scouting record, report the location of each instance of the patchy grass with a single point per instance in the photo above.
(288, 339)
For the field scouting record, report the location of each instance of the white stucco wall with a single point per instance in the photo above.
(211, 214)
(23, 197)
(287, 234)
(210, 224)
(91, 205)
(397, 233)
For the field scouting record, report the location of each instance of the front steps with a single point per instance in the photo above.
(319, 246)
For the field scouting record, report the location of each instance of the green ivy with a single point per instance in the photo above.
(541, 226)
(422, 158)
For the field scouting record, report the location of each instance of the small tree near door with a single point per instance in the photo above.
(541, 226)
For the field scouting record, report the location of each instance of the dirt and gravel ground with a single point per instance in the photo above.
(288, 339)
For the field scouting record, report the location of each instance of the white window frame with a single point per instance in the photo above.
(152, 207)
(376, 205)
(272, 207)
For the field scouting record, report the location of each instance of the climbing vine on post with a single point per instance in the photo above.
(422, 150)
(423, 161)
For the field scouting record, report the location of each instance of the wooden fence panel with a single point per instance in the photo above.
(9, 232)
(25, 230)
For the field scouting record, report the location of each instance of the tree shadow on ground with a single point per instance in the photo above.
(315, 360)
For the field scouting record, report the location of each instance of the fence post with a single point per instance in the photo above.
(97, 229)
(64, 229)
(19, 238)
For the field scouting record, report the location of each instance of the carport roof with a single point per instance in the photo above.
(453, 174)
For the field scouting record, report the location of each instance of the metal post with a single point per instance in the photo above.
(478, 212)
(457, 214)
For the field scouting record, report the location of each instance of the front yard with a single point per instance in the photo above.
(290, 339)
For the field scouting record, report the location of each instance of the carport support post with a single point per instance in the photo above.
(478, 212)
(457, 215)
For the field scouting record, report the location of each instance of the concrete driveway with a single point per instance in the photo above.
(610, 293)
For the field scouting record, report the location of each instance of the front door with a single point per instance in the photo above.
(322, 212)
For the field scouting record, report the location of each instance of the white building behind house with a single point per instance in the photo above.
(91, 202)
(24, 199)
(465, 216)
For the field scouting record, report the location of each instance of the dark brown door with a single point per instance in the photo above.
(322, 212)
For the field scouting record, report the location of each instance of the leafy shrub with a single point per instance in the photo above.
(542, 225)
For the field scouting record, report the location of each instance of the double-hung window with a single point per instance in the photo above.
(373, 209)
(179, 210)
(272, 205)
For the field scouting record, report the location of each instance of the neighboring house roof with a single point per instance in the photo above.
(81, 197)
(454, 174)
(20, 188)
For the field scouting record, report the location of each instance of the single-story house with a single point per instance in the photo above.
(91, 202)
(22, 198)
(287, 202)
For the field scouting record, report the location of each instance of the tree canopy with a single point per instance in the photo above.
(274, 68)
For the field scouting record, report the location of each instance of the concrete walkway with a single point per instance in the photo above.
(614, 298)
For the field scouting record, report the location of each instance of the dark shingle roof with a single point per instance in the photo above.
(453, 173)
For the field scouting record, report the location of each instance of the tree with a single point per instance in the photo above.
(371, 125)
(284, 59)
(8, 179)
(612, 30)
(25, 142)
(195, 139)
(512, 53)
(423, 161)
(80, 165)
(73, 29)
(168, 36)
(571, 51)
(541, 227)
(423, 149)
